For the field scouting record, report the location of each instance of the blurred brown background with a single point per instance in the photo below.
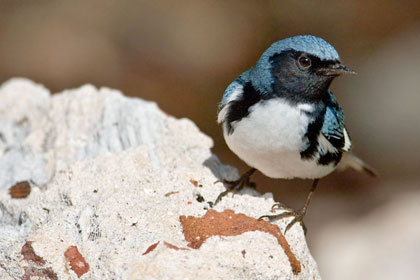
(183, 54)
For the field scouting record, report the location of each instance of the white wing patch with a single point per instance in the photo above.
(347, 142)
(325, 146)
(232, 96)
(306, 107)
(222, 114)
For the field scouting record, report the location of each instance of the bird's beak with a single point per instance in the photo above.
(336, 70)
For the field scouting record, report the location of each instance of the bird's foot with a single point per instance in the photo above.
(236, 186)
(289, 212)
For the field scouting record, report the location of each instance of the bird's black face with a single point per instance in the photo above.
(302, 76)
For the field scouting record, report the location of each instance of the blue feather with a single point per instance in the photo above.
(240, 81)
(333, 126)
(261, 75)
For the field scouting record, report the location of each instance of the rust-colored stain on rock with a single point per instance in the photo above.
(227, 223)
(77, 261)
(39, 273)
(29, 255)
(171, 246)
(20, 190)
(151, 248)
(194, 182)
(35, 267)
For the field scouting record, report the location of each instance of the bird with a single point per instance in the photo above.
(281, 118)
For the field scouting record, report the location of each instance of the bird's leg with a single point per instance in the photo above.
(298, 215)
(235, 186)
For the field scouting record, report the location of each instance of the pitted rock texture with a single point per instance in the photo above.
(110, 177)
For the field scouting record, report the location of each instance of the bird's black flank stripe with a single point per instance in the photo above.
(239, 108)
(313, 131)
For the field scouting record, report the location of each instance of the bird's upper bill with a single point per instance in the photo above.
(335, 70)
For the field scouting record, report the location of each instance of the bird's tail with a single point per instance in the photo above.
(350, 160)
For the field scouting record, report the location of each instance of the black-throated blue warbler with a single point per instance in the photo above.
(281, 118)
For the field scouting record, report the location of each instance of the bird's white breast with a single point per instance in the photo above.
(271, 138)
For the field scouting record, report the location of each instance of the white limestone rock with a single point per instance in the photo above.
(111, 176)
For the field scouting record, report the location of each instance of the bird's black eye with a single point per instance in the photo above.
(304, 61)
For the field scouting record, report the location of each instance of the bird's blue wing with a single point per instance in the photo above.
(333, 127)
(228, 92)
(238, 82)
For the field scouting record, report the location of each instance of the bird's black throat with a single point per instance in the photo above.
(297, 85)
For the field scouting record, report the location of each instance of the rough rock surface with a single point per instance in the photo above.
(113, 180)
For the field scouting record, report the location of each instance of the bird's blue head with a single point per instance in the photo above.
(299, 67)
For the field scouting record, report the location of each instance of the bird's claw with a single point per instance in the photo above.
(281, 206)
(227, 182)
(297, 217)
(236, 186)
(233, 186)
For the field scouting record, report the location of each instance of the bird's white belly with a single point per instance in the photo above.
(271, 138)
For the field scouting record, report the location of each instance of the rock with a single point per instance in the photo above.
(118, 189)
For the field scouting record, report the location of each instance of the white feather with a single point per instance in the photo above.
(233, 96)
(325, 146)
(271, 137)
(306, 107)
(347, 142)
